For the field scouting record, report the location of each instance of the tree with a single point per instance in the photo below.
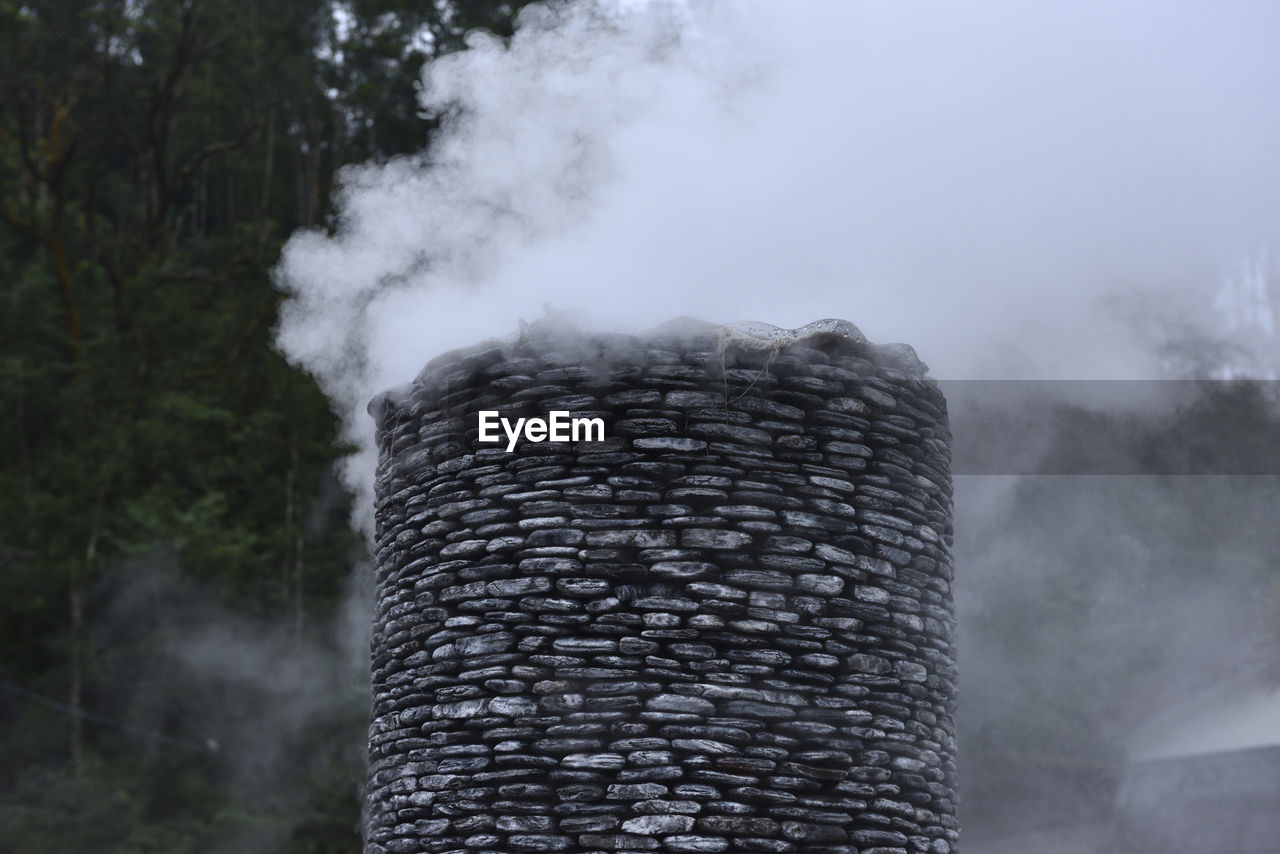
(153, 158)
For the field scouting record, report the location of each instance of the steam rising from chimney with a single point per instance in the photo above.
(1048, 190)
(1005, 185)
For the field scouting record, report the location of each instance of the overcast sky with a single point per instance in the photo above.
(1016, 189)
(1003, 185)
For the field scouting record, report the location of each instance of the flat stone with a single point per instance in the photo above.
(598, 761)
(711, 538)
(682, 569)
(878, 837)
(865, 663)
(525, 823)
(704, 746)
(738, 824)
(759, 578)
(512, 706)
(635, 791)
(657, 825)
(634, 538)
(669, 443)
(539, 842)
(518, 586)
(617, 841)
(681, 703)
(589, 823)
(829, 585)
(657, 806)
(695, 844)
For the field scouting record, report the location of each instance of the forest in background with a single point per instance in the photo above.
(169, 518)
(181, 666)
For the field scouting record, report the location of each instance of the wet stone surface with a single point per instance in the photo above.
(728, 627)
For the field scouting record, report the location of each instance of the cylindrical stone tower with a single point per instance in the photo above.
(724, 626)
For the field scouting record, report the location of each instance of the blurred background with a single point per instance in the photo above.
(184, 599)
(176, 673)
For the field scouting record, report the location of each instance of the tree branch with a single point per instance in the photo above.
(215, 148)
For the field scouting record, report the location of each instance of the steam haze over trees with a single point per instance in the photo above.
(174, 553)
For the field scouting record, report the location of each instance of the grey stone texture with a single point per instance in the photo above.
(726, 627)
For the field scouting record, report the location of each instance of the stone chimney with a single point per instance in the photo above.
(725, 625)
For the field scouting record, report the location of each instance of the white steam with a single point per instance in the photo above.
(1018, 190)
(990, 182)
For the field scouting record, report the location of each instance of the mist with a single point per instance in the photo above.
(998, 185)
(270, 706)
(1005, 187)
(1025, 191)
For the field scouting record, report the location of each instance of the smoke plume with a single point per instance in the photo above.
(1004, 186)
(1020, 190)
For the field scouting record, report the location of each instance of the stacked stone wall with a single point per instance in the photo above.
(728, 626)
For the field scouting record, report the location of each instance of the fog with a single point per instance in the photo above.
(1037, 191)
(271, 706)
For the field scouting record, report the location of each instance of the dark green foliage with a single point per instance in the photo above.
(157, 456)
